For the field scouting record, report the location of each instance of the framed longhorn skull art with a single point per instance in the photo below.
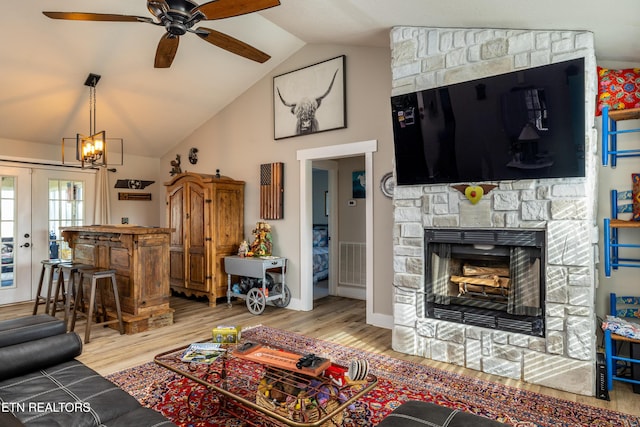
(310, 99)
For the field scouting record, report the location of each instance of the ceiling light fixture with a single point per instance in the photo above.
(91, 150)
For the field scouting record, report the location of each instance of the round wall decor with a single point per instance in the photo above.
(387, 184)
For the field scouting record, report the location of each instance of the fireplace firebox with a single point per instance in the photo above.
(487, 278)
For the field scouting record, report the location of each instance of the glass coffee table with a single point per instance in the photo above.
(253, 380)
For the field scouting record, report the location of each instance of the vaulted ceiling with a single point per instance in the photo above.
(44, 62)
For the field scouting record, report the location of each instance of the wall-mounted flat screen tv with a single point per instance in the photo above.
(528, 124)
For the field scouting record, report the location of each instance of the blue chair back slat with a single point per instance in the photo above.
(621, 202)
(627, 300)
(622, 306)
(628, 312)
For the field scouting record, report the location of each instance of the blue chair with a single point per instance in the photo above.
(622, 368)
(621, 202)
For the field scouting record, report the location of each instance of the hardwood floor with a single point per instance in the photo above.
(333, 319)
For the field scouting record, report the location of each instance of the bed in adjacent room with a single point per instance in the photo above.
(320, 252)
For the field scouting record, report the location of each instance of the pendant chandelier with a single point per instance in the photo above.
(91, 149)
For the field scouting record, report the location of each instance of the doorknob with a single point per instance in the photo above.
(26, 245)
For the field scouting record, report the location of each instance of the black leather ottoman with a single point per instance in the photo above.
(415, 413)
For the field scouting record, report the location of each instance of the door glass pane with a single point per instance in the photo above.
(66, 208)
(7, 230)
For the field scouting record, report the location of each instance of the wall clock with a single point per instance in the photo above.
(387, 184)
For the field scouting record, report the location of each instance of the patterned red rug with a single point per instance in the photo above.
(399, 381)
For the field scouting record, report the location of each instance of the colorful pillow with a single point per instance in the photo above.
(635, 188)
(618, 89)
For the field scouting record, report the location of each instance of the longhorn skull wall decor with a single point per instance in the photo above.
(310, 100)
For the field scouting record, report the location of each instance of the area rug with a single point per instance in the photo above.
(399, 381)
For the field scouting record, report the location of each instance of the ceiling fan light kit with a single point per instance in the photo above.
(179, 17)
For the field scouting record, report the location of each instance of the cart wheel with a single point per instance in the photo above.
(278, 302)
(256, 301)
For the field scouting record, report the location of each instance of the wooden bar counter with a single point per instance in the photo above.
(140, 256)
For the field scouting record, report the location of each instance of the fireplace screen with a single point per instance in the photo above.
(486, 278)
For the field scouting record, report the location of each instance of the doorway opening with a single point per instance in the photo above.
(307, 158)
(322, 223)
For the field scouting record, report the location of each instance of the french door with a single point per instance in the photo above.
(15, 234)
(34, 203)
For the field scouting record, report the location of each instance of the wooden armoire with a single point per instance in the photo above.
(206, 213)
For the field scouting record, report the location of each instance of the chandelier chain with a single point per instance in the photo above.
(92, 110)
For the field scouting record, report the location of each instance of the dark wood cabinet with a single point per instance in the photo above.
(206, 213)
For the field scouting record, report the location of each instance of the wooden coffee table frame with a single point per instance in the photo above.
(235, 394)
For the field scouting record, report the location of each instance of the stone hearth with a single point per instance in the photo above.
(565, 209)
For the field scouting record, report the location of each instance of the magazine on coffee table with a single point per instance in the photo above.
(202, 352)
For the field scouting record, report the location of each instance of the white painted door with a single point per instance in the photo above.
(15, 231)
(34, 203)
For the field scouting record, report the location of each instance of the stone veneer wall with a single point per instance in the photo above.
(423, 58)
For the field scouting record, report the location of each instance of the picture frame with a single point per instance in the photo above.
(357, 182)
(310, 99)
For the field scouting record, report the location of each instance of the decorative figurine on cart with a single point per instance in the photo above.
(263, 243)
(243, 249)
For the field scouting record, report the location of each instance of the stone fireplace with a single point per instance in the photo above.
(550, 339)
(487, 278)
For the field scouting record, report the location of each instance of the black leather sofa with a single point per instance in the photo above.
(42, 384)
(420, 414)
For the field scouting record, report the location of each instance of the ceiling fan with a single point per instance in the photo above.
(178, 17)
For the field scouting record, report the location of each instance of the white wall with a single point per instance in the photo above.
(139, 212)
(351, 220)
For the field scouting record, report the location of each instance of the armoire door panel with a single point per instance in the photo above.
(196, 215)
(176, 266)
(197, 271)
(229, 227)
(176, 213)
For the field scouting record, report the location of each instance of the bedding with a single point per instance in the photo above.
(320, 253)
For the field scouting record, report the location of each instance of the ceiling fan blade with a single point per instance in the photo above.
(166, 50)
(219, 9)
(232, 45)
(82, 16)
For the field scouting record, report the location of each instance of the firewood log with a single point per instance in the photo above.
(475, 270)
(495, 281)
(463, 288)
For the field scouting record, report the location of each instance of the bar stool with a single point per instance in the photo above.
(95, 275)
(70, 270)
(47, 272)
